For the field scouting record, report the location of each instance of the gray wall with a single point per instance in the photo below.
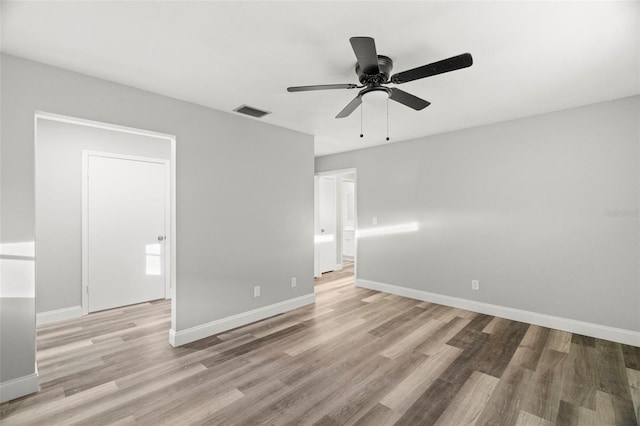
(59, 202)
(244, 189)
(18, 337)
(524, 206)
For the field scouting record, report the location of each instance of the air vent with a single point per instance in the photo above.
(254, 112)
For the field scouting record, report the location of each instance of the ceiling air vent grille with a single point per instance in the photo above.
(253, 112)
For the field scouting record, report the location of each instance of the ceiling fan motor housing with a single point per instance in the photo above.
(385, 65)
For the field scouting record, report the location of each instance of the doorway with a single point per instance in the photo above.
(59, 145)
(336, 224)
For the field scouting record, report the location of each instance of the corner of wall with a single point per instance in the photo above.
(182, 337)
(21, 386)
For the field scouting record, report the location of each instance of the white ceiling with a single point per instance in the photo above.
(529, 57)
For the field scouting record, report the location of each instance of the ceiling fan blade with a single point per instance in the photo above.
(321, 87)
(408, 99)
(351, 106)
(446, 65)
(365, 50)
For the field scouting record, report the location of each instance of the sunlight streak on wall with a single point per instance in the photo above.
(387, 230)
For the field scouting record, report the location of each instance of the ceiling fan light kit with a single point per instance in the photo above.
(374, 71)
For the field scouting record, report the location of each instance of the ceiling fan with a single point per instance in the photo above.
(374, 70)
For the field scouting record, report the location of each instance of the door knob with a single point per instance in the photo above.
(160, 237)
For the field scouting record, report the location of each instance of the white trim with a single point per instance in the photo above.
(48, 317)
(100, 125)
(173, 232)
(84, 244)
(338, 267)
(182, 337)
(15, 388)
(337, 172)
(619, 335)
(316, 226)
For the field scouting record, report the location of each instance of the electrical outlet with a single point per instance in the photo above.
(293, 282)
(475, 285)
(374, 220)
(256, 291)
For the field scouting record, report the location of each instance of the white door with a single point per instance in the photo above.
(126, 205)
(326, 237)
(348, 217)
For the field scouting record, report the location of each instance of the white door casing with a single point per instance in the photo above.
(125, 221)
(348, 175)
(326, 234)
(348, 217)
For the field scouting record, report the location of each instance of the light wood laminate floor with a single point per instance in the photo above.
(357, 357)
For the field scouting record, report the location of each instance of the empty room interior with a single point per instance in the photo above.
(320, 213)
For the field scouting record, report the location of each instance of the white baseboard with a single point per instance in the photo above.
(338, 267)
(619, 335)
(58, 315)
(182, 337)
(25, 385)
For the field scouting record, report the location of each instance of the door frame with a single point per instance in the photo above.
(43, 115)
(85, 217)
(338, 174)
(341, 213)
(337, 264)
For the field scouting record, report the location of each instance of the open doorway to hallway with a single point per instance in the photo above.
(105, 217)
(336, 224)
(346, 273)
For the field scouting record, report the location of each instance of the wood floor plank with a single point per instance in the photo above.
(633, 377)
(359, 399)
(631, 356)
(506, 400)
(559, 341)
(374, 298)
(528, 353)
(611, 372)
(378, 415)
(439, 339)
(327, 421)
(137, 398)
(580, 380)
(583, 340)
(489, 328)
(406, 392)
(502, 343)
(357, 356)
(543, 396)
(314, 341)
(430, 405)
(44, 413)
(470, 401)
(396, 321)
(413, 339)
(199, 408)
(528, 419)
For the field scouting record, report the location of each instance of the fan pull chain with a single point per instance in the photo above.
(387, 118)
(361, 135)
